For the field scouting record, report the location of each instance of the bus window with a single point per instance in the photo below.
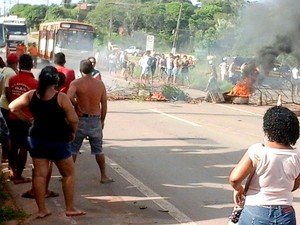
(75, 40)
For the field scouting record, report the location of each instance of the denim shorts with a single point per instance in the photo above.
(91, 127)
(53, 151)
(169, 72)
(268, 215)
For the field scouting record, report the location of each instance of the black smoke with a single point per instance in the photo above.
(285, 24)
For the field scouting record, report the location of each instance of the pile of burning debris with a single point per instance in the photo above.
(145, 92)
(244, 88)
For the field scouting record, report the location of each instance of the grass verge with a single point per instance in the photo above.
(8, 211)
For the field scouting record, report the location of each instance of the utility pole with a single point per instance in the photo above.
(4, 9)
(177, 30)
(110, 25)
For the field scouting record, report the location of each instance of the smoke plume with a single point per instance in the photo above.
(284, 26)
(270, 28)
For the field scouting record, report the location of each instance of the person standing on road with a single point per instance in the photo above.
(96, 73)
(275, 166)
(296, 80)
(223, 69)
(22, 82)
(33, 51)
(4, 132)
(146, 68)
(89, 99)
(60, 61)
(169, 67)
(54, 126)
(8, 71)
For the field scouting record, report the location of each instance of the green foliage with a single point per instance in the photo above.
(174, 93)
(7, 213)
(199, 28)
(34, 14)
(59, 13)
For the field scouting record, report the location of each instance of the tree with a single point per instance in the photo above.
(34, 14)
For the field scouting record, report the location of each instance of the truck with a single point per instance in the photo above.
(16, 32)
(133, 50)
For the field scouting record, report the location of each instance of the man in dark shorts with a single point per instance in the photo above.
(22, 82)
(88, 96)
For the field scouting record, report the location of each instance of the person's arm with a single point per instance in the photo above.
(1, 86)
(103, 106)
(238, 174)
(72, 96)
(16, 106)
(297, 183)
(71, 116)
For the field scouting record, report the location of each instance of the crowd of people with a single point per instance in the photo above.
(169, 68)
(49, 117)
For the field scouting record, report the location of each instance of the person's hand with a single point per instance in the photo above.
(238, 197)
(72, 137)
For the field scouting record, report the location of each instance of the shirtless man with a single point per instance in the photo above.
(88, 96)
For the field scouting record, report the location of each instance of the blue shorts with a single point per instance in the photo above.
(169, 72)
(257, 215)
(53, 151)
(91, 127)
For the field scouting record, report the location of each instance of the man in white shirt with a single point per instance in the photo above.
(144, 63)
(10, 70)
(296, 80)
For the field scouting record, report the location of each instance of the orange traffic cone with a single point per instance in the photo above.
(279, 101)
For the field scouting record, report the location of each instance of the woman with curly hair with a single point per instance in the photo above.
(275, 166)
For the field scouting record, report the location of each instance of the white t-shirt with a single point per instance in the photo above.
(7, 72)
(295, 73)
(275, 175)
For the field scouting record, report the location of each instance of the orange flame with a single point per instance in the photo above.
(242, 88)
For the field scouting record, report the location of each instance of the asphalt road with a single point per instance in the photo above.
(170, 161)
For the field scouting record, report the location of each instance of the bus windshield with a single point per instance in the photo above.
(16, 29)
(75, 40)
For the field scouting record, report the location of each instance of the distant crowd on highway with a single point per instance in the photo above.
(168, 68)
(49, 117)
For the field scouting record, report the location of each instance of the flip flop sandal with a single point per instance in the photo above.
(27, 194)
(109, 180)
(22, 180)
(52, 194)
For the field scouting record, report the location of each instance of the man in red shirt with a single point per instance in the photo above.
(60, 61)
(19, 84)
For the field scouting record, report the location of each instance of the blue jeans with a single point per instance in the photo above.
(268, 215)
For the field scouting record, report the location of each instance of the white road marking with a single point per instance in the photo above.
(157, 199)
(241, 110)
(176, 118)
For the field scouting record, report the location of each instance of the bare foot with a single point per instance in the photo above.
(75, 213)
(42, 215)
